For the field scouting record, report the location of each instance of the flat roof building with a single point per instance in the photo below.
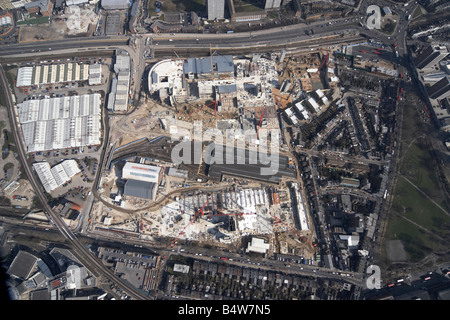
(257, 245)
(222, 65)
(430, 56)
(314, 104)
(140, 189)
(118, 97)
(441, 89)
(23, 265)
(116, 4)
(216, 9)
(141, 172)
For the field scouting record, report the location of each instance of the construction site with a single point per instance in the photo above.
(216, 203)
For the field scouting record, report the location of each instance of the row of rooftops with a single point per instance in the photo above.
(56, 176)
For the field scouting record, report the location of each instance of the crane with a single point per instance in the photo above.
(260, 120)
(182, 231)
(207, 105)
(212, 70)
(325, 59)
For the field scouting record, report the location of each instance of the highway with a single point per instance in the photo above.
(288, 36)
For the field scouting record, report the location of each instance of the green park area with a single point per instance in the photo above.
(418, 222)
(176, 6)
(248, 5)
(419, 215)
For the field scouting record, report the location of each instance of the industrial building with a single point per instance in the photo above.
(140, 189)
(118, 97)
(441, 89)
(51, 74)
(52, 178)
(258, 245)
(430, 56)
(95, 74)
(216, 9)
(142, 180)
(141, 172)
(61, 122)
(116, 4)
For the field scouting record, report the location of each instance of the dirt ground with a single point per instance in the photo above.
(396, 251)
(41, 32)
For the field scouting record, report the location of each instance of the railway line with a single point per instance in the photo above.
(91, 262)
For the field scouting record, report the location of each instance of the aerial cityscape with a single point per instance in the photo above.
(218, 150)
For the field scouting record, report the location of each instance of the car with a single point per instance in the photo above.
(170, 40)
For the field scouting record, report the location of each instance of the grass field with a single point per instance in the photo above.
(248, 5)
(417, 166)
(417, 12)
(177, 5)
(412, 205)
(415, 216)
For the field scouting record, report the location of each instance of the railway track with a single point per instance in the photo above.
(88, 259)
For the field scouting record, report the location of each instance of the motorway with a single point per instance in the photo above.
(289, 36)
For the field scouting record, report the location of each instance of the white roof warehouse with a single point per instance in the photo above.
(55, 177)
(58, 123)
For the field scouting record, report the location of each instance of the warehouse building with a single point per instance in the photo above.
(95, 74)
(62, 122)
(52, 178)
(257, 245)
(118, 97)
(140, 189)
(141, 172)
(116, 4)
(51, 74)
(142, 180)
